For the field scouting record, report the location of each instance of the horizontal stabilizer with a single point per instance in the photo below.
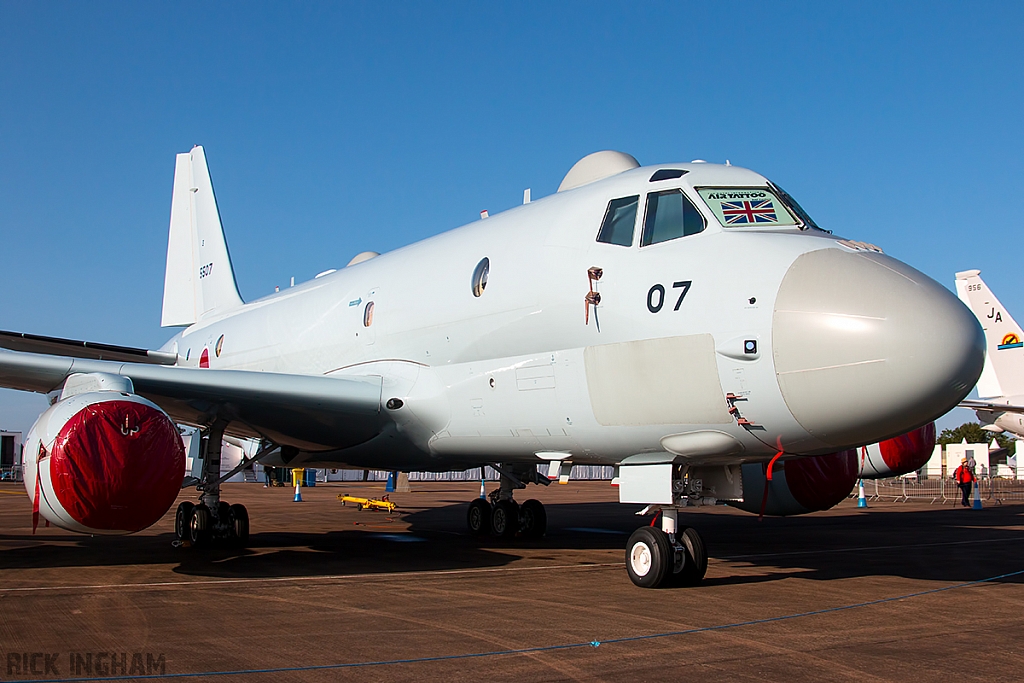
(992, 406)
(34, 343)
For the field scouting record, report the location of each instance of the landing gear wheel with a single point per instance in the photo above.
(695, 565)
(239, 525)
(533, 520)
(478, 519)
(181, 520)
(199, 525)
(649, 557)
(505, 519)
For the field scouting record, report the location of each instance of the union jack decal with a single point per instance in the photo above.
(757, 211)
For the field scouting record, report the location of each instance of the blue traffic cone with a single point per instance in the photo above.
(862, 502)
(483, 489)
(298, 493)
(390, 485)
(977, 496)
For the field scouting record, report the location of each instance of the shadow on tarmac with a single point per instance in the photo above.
(934, 544)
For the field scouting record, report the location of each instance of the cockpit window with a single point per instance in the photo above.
(747, 206)
(619, 219)
(794, 207)
(670, 215)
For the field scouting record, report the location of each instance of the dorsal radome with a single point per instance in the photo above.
(597, 166)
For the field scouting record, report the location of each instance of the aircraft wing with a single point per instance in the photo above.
(309, 412)
(34, 343)
(990, 405)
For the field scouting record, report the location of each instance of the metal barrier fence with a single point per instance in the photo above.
(942, 491)
(579, 472)
(10, 473)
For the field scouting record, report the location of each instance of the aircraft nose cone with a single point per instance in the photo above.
(866, 347)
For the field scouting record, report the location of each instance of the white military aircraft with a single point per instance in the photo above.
(677, 321)
(1001, 385)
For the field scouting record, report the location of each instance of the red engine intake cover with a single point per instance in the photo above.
(910, 451)
(822, 482)
(117, 465)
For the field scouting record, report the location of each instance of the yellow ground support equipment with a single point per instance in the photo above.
(368, 503)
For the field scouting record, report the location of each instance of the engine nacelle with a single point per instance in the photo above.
(799, 485)
(899, 455)
(103, 462)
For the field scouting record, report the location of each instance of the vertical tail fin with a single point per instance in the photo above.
(1003, 374)
(199, 280)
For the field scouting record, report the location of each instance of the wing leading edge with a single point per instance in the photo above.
(35, 343)
(305, 411)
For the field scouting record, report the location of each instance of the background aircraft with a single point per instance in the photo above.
(1000, 406)
(679, 321)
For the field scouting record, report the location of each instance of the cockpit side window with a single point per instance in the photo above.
(670, 215)
(619, 219)
(794, 206)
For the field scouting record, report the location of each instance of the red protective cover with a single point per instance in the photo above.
(117, 465)
(909, 452)
(821, 482)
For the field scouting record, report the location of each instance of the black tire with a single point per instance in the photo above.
(533, 519)
(505, 519)
(199, 526)
(239, 525)
(181, 520)
(648, 557)
(478, 519)
(695, 565)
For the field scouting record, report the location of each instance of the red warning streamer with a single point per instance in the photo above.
(767, 483)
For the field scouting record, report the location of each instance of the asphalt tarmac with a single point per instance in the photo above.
(897, 592)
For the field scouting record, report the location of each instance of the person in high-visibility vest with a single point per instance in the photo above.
(964, 478)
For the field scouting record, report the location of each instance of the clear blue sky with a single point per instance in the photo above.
(334, 128)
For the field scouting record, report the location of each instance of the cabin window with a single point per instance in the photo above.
(619, 219)
(747, 207)
(368, 314)
(480, 276)
(670, 215)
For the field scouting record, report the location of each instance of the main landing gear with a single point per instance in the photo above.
(212, 521)
(500, 515)
(198, 524)
(666, 556)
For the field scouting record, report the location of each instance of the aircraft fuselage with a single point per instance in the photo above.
(781, 319)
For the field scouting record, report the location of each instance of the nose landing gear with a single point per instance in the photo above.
(666, 556)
